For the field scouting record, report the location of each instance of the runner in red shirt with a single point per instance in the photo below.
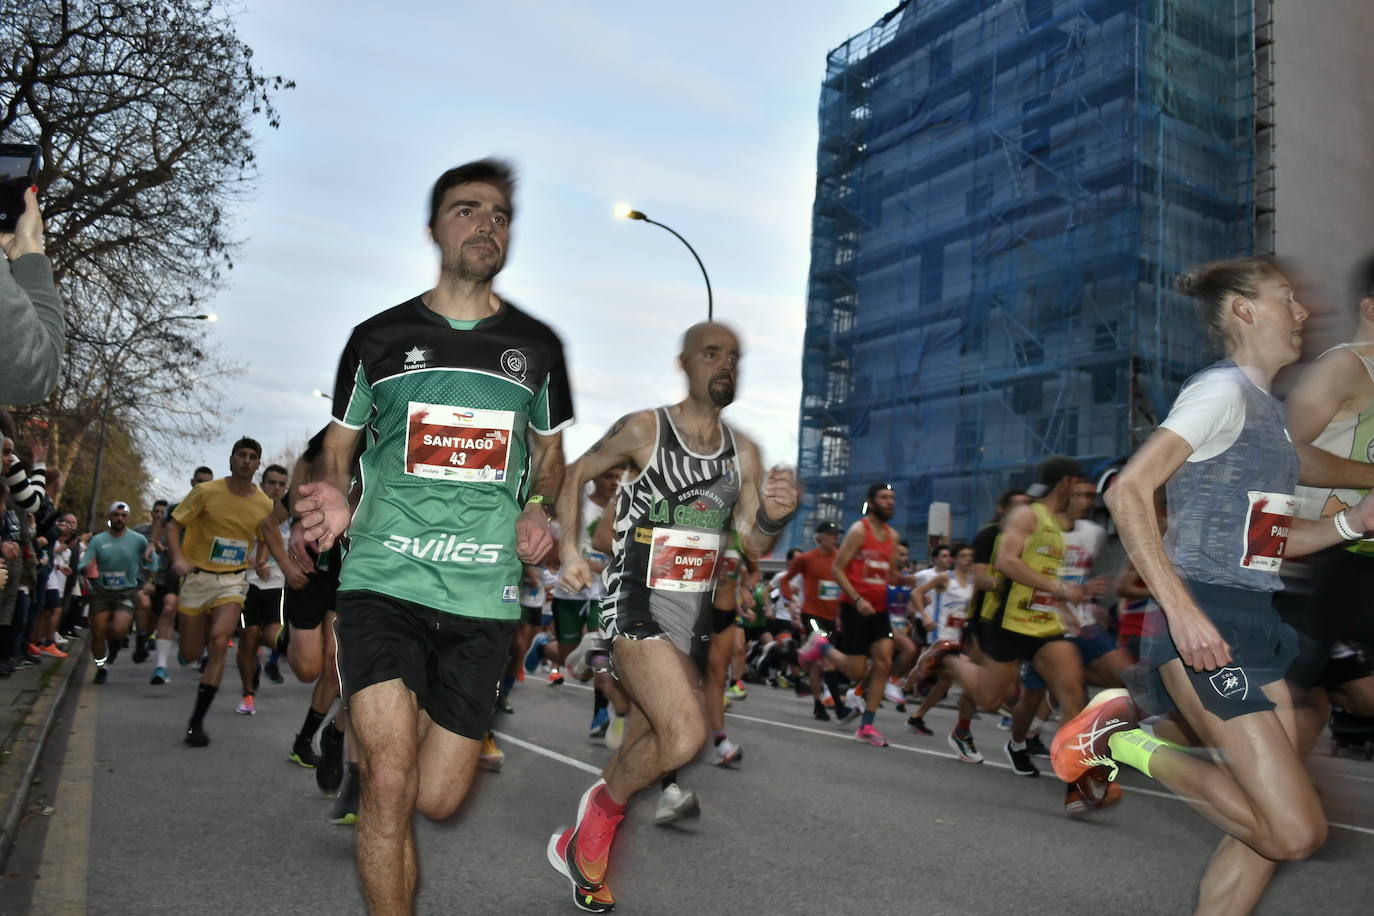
(862, 568)
(820, 597)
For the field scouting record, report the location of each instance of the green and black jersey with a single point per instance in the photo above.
(445, 406)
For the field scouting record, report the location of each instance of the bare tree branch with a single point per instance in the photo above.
(145, 112)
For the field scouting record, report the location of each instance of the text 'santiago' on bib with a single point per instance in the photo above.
(458, 443)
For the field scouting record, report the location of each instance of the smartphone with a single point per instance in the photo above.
(18, 172)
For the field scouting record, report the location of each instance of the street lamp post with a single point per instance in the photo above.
(624, 211)
(105, 399)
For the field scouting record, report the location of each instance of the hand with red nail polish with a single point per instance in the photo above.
(27, 237)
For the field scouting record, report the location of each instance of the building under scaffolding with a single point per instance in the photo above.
(1005, 192)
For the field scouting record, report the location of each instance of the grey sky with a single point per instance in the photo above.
(703, 115)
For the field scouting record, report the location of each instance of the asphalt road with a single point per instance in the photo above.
(129, 820)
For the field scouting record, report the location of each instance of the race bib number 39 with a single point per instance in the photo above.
(683, 561)
(458, 443)
(1266, 530)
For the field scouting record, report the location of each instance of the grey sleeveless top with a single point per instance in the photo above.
(1229, 514)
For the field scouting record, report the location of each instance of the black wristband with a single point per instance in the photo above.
(770, 526)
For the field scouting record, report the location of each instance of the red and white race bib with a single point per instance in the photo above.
(683, 561)
(1266, 530)
(876, 571)
(458, 443)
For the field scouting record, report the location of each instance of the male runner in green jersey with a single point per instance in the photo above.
(454, 497)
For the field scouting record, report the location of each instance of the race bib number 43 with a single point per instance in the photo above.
(458, 443)
(683, 561)
(1266, 530)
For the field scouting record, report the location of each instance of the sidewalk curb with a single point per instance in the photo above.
(32, 738)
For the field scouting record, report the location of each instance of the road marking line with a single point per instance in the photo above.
(552, 755)
(902, 747)
(65, 863)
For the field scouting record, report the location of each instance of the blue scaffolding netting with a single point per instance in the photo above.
(1005, 192)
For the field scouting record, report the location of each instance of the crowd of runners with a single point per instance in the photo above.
(432, 547)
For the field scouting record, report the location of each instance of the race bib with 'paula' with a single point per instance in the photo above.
(683, 561)
(1266, 530)
(463, 444)
(228, 552)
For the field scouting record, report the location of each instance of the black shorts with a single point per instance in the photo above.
(170, 585)
(306, 607)
(813, 624)
(1003, 645)
(722, 620)
(531, 616)
(856, 633)
(973, 631)
(1347, 668)
(778, 627)
(752, 633)
(1338, 608)
(452, 664)
(1262, 649)
(262, 607)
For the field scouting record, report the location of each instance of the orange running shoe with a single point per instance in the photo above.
(1110, 795)
(582, 853)
(53, 651)
(1080, 744)
(1091, 793)
(1076, 800)
(591, 900)
(600, 900)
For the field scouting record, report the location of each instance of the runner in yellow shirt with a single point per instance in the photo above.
(220, 520)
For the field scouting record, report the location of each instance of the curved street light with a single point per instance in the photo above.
(625, 211)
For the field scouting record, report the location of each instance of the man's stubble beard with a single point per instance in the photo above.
(461, 269)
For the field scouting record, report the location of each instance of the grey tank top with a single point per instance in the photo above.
(1229, 515)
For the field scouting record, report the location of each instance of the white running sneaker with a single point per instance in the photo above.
(616, 732)
(727, 752)
(853, 700)
(675, 804)
(893, 694)
(576, 662)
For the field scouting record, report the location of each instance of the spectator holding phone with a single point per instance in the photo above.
(30, 312)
